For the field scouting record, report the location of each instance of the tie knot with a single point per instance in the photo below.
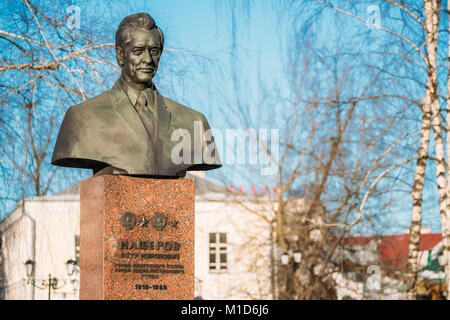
(142, 100)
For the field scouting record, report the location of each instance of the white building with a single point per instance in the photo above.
(44, 230)
(232, 247)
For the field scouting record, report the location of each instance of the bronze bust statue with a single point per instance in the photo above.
(128, 129)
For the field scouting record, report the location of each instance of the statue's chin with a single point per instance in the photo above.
(139, 78)
(145, 79)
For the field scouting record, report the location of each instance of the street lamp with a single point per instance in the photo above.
(290, 261)
(52, 282)
(284, 259)
(30, 267)
(297, 257)
(70, 265)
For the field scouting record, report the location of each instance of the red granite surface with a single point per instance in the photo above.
(140, 263)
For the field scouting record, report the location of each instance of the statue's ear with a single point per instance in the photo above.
(120, 56)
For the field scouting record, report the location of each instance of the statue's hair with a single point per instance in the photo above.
(137, 20)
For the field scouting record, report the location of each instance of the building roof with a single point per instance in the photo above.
(203, 188)
(393, 249)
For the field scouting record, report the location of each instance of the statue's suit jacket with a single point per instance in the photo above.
(107, 131)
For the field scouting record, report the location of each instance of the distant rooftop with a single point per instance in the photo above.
(203, 189)
(393, 249)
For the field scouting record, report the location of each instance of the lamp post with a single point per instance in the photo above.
(292, 242)
(52, 282)
(293, 258)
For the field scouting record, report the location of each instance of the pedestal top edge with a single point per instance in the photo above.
(111, 177)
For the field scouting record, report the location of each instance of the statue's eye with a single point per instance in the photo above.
(154, 51)
(137, 51)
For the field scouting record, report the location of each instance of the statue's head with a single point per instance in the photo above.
(139, 44)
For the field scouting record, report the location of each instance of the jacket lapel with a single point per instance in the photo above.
(164, 116)
(125, 110)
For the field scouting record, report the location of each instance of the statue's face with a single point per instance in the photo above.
(141, 56)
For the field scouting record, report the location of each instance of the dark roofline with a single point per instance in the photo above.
(202, 186)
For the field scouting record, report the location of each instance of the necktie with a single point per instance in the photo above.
(146, 110)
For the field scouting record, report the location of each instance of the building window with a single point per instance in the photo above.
(218, 259)
(77, 249)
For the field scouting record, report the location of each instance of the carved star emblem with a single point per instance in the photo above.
(143, 221)
(174, 223)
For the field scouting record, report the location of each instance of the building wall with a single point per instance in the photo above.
(16, 246)
(248, 249)
(54, 225)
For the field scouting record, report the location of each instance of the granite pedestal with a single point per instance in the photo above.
(136, 238)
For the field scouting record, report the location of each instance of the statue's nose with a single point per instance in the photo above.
(147, 58)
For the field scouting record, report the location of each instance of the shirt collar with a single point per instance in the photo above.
(131, 92)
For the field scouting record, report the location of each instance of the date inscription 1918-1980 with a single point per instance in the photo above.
(150, 287)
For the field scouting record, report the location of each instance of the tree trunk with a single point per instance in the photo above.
(432, 22)
(446, 226)
(417, 190)
(429, 107)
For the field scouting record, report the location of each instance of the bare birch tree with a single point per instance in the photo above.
(333, 147)
(425, 18)
(431, 110)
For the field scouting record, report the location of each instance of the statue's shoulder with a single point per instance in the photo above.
(88, 113)
(93, 104)
(178, 109)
